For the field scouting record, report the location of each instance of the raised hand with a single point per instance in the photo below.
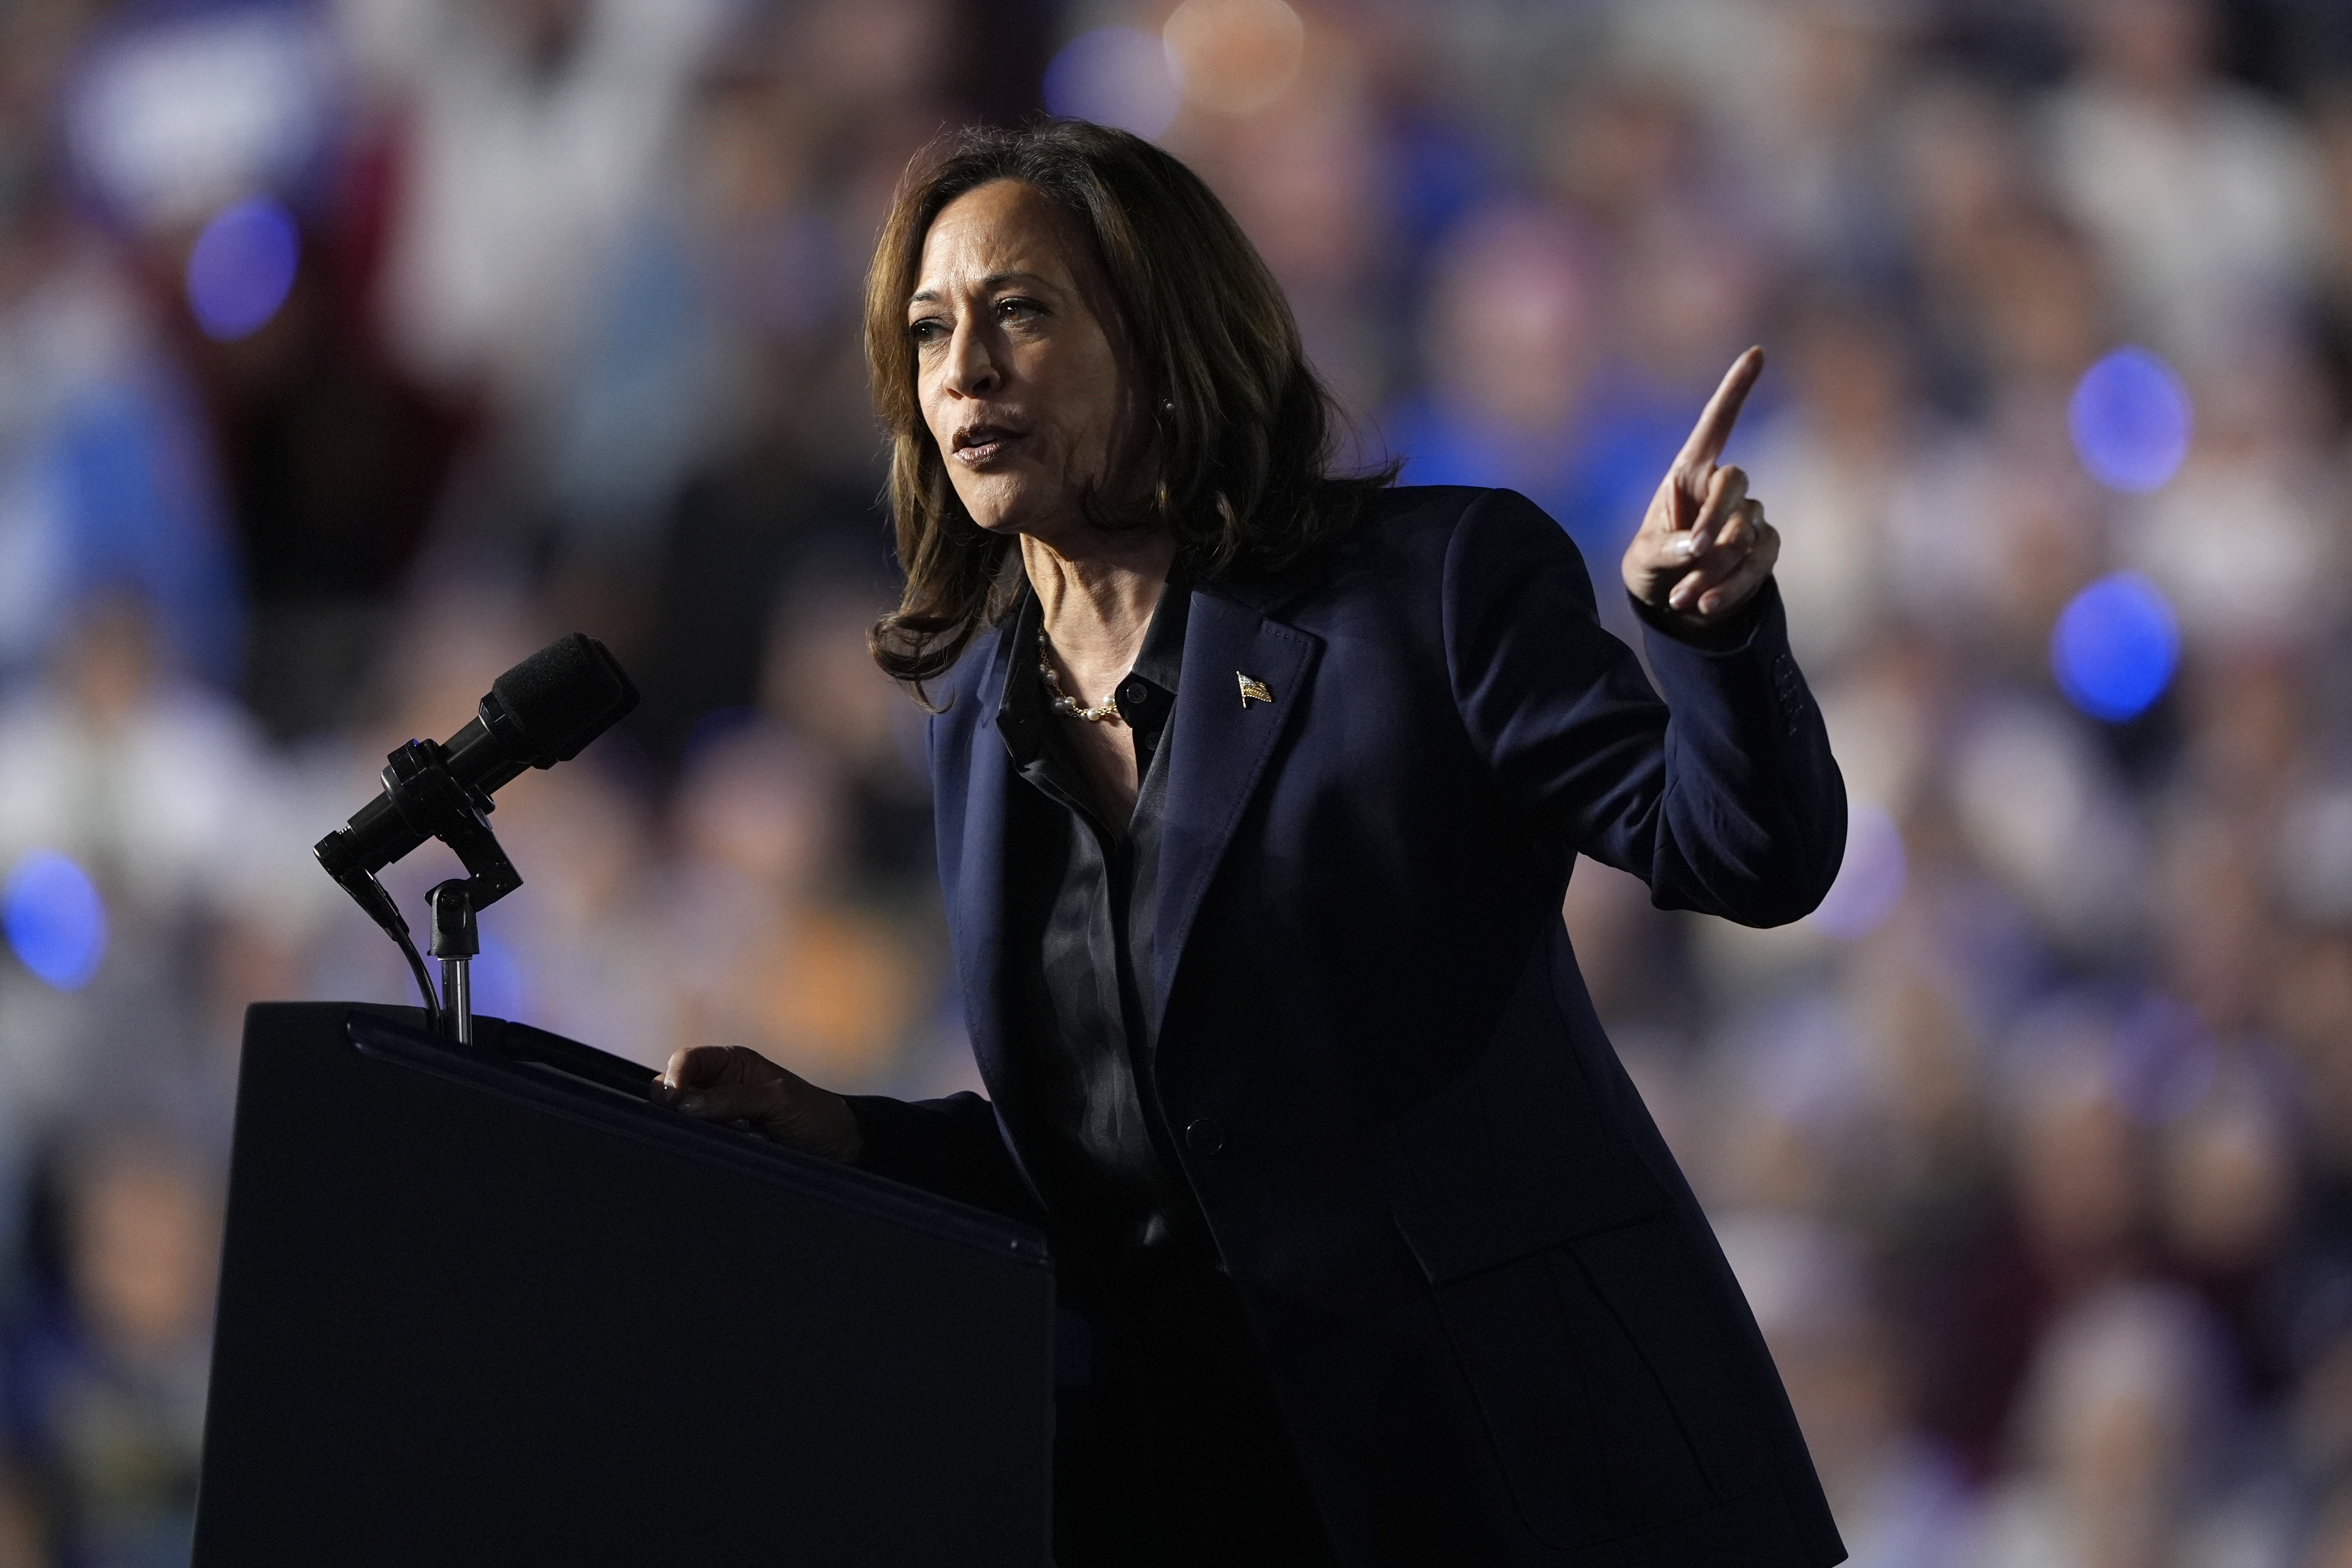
(730, 1083)
(1705, 548)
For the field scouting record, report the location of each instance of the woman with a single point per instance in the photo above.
(1257, 790)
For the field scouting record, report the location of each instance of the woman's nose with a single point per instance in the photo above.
(971, 364)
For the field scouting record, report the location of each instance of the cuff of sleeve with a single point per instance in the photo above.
(951, 1147)
(892, 1139)
(1734, 635)
(1757, 675)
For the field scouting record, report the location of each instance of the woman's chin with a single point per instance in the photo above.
(997, 505)
(1017, 514)
(1005, 522)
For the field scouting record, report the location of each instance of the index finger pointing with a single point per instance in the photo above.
(1713, 427)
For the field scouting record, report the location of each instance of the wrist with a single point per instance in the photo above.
(1716, 632)
(817, 1122)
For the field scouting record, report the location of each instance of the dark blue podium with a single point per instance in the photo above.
(486, 1305)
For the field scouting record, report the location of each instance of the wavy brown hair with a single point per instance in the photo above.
(1236, 463)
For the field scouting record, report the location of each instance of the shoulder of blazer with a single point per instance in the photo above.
(1402, 528)
(1399, 527)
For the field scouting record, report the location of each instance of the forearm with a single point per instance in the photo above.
(1750, 823)
(951, 1147)
(1723, 796)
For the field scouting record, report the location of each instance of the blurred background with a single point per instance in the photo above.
(350, 348)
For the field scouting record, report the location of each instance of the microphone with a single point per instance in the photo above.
(540, 713)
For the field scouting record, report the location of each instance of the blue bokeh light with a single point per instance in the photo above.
(2115, 646)
(501, 983)
(1115, 76)
(242, 266)
(2131, 421)
(1870, 879)
(54, 919)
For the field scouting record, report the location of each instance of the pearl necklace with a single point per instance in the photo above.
(1061, 702)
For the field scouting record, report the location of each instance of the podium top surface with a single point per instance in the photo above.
(579, 1083)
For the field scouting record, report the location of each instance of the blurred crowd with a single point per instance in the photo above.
(350, 348)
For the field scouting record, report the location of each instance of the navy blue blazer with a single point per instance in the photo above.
(1498, 1325)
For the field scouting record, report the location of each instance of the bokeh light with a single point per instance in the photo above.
(242, 266)
(1870, 881)
(1235, 56)
(1115, 76)
(501, 983)
(55, 919)
(2164, 1061)
(2131, 421)
(2115, 646)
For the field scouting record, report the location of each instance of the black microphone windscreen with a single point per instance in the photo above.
(564, 696)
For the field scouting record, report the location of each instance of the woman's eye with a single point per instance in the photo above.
(1018, 309)
(927, 331)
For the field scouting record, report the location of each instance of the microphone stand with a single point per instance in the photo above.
(455, 943)
(435, 805)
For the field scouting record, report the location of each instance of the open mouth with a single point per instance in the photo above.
(978, 444)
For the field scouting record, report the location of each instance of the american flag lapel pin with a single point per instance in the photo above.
(1252, 688)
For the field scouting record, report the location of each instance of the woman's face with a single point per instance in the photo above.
(1015, 368)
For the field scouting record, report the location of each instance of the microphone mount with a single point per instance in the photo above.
(433, 803)
(540, 713)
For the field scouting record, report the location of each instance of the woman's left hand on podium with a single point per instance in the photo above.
(737, 1085)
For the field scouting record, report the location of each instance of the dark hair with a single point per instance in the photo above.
(1235, 465)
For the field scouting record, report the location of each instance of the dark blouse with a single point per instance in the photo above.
(1079, 902)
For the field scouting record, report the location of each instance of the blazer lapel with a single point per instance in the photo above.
(1220, 742)
(979, 858)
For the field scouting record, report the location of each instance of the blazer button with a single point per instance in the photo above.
(1203, 1136)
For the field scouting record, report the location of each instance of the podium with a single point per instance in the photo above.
(485, 1305)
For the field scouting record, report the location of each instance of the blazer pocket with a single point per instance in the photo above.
(1589, 1440)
